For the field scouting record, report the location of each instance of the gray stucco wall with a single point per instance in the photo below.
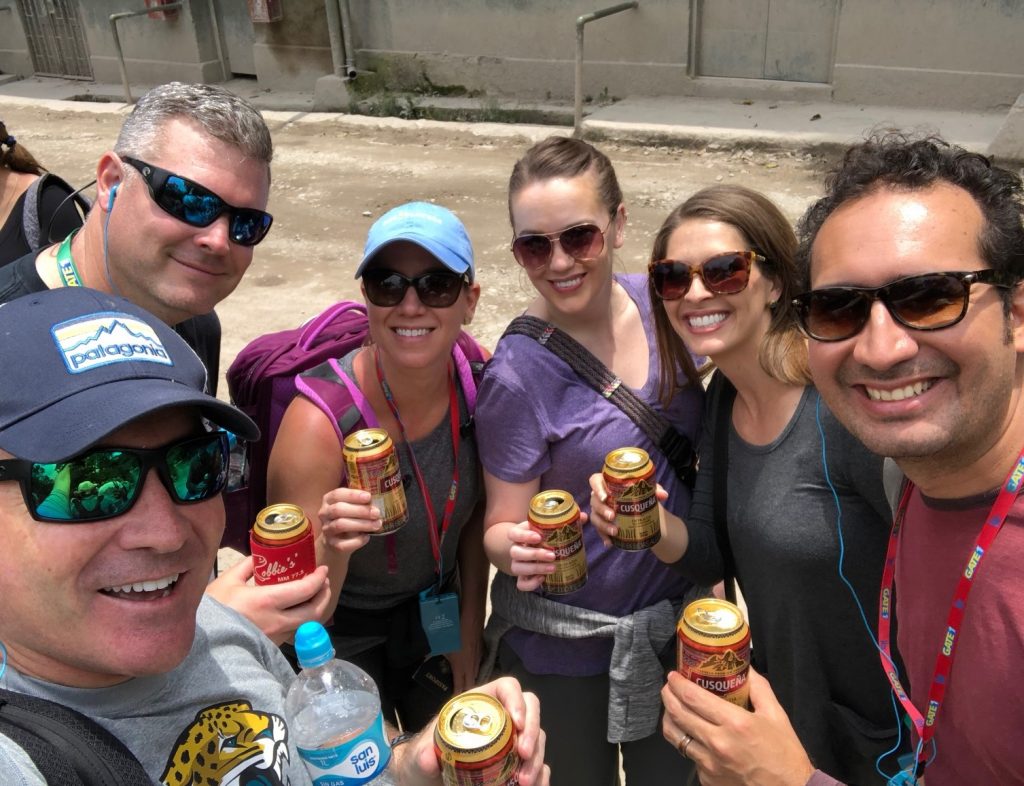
(953, 54)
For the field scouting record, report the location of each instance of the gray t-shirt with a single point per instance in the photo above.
(219, 715)
(808, 635)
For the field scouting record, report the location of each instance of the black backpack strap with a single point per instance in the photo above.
(67, 748)
(37, 235)
(723, 420)
(674, 446)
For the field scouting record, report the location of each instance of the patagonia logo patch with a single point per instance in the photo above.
(100, 339)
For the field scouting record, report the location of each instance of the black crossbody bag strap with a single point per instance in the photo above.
(673, 445)
(723, 419)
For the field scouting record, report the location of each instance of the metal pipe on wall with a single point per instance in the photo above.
(334, 34)
(114, 19)
(224, 70)
(346, 32)
(577, 130)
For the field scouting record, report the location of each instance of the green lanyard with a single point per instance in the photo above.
(66, 269)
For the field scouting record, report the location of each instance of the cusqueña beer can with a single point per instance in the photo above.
(629, 476)
(372, 464)
(714, 648)
(475, 742)
(282, 547)
(556, 516)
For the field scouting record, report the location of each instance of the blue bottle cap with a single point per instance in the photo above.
(312, 645)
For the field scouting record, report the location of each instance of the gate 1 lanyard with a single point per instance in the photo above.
(925, 725)
(449, 505)
(66, 269)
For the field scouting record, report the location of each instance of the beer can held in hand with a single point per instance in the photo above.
(629, 476)
(372, 465)
(475, 742)
(556, 516)
(282, 546)
(714, 649)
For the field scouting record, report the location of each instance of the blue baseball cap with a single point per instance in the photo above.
(79, 364)
(432, 227)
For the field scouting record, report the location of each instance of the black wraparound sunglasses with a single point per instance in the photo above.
(106, 482)
(198, 206)
(931, 301)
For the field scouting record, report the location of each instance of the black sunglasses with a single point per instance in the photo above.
(198, 206)
(435, 289)
(723, 274)
(583, 241)
(931, 301)
(103, 483)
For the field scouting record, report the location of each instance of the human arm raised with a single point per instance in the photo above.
(732, 746)
(276, 609)
(305, 469)
(674, 535)
(511, 546)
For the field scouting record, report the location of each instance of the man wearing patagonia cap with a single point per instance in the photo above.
(915, 312)
(104, 610)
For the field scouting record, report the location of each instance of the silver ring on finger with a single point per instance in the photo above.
(683, 744)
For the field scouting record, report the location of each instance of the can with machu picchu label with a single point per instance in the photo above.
(714, 648)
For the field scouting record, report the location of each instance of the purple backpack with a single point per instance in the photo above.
(268, 373)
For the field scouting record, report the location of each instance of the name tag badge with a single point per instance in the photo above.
(439, 616)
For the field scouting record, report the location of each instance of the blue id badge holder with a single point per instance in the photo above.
(439, 616)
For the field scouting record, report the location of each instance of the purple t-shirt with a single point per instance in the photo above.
(536, 418)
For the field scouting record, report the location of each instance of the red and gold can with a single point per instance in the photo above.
(714, 648)
(372, 464)
(556, 516)
(629, 476)
(282, 547)
(475, 742)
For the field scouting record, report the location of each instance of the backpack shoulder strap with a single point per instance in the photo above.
(30, 213)
(31, 220)
(337, 396)
(674, 446)
(68, 748)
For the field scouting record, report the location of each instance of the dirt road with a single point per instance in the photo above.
(333, 176)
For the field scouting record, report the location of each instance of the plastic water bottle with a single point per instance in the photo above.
(334, 715)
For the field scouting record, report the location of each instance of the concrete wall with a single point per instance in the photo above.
(960, 54)
(14, 54)
(155, 51)
(952, 54)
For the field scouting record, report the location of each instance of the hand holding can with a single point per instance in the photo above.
(371, 461)
(556, 516)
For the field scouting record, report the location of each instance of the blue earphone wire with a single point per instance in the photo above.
(860, 608)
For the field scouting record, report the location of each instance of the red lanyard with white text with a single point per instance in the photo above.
(436, 534)
(925, 724)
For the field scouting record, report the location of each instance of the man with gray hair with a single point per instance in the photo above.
(180, 205)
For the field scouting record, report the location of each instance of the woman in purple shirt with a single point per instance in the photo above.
(540, 426)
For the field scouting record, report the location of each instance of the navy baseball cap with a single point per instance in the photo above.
(432, 227)
(79, 364)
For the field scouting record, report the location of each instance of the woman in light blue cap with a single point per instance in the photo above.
(410, 605)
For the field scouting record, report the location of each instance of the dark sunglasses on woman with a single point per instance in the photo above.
(931, 301)
(435, 289)
(106, 482)
(198, 206)
(722, 274)
(583, 242)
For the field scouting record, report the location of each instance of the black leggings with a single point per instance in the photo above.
(574, 713)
